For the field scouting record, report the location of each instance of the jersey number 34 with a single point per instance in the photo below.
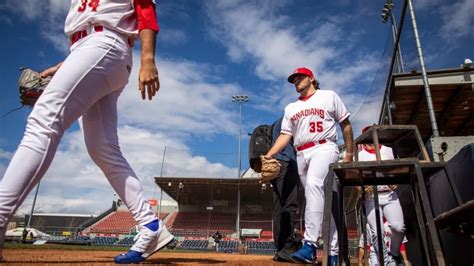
(93, 4)
(316, 126)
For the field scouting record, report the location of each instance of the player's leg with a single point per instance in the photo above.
(284, 210)
(394, 214)
(334, 241)
(99, 124)
(372, 222)
(70, 93)
(290, 203)
(373, 259)
(307, 252)
(315, 189)
(318, 167)
(277, 185)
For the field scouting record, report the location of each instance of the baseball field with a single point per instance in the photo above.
(82, 255)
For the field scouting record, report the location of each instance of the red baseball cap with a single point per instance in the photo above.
(300, 71)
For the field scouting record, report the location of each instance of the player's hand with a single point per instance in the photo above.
(50, 71)
(348, 157)
(148, 81)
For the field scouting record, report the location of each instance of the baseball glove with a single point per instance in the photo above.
(270, 169)
(31, 85)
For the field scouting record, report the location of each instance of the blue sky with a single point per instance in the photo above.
(208, 51)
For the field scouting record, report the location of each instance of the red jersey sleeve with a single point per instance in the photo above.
(146, 15)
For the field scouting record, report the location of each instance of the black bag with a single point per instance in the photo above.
(259, 144)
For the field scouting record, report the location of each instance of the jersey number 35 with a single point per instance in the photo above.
(316, 126)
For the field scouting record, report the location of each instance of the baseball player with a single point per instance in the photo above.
(311, 122)
(86, 86)
(387, 235)
(389, 205)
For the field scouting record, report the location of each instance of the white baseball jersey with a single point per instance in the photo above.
(114, 14)
(386, 153)
(314, 118)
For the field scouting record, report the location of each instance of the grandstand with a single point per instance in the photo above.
(118, 222)
(202, 224)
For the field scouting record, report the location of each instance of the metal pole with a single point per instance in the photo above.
(429, 101)
(392, 63)
(400, 63)
(33, 206)
(389, 112)
(237, 223)
(240, 135)
(240, 99)
(161, 175)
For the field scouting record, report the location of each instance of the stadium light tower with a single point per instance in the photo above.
(240, 99)
(161, 175)
(387, 12)
(28, 225)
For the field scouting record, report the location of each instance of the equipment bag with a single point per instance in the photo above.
(259, 144)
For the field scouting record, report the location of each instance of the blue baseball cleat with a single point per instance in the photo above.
(151, 238)
(305, 254)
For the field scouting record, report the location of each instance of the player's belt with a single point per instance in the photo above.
(76, 36)
(310, 144)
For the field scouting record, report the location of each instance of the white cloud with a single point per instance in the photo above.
(190, 100)
(275, 45)
(172, 36)
(74, 184)
(48, 15)
(248, 30)
(30, 9)
(425, 4)
(458, 20)
(5, 154)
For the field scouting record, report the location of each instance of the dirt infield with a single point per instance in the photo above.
(87, 257)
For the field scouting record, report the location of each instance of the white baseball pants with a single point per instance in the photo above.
(391, 209)
(313, 166)
(87, 84)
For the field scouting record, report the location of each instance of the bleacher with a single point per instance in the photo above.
(119, 222)
(77, 240)
(194, 244)
(104, 241)
(228, 246)
(126, 242)
(258, 221)
(192, 224)
(260, 247)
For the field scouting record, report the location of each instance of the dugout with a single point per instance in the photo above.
(198, 193)
(452, 93)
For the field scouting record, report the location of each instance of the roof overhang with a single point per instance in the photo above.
(198, 190)
(452, 93)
